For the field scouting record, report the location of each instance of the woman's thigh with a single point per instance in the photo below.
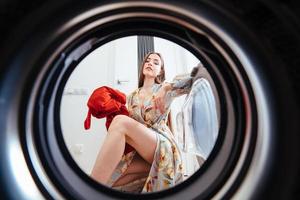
(138, 168)
(143, 139)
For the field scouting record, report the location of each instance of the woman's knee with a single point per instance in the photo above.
(119, 122)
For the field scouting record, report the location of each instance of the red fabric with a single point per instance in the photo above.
(106, 102)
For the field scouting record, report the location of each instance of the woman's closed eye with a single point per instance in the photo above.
(155, 62)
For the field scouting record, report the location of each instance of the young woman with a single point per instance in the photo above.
(156, 163)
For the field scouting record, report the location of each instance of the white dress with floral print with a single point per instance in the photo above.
(166, 169)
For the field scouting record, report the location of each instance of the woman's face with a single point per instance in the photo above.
(152, 66)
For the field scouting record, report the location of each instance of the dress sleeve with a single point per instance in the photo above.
(180, 85)
(129, 99)
(132, 106)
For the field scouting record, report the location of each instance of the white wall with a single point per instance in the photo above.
(104, 66)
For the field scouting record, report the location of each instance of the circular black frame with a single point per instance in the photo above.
(238, 106)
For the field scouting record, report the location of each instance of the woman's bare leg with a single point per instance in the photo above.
(123, 129)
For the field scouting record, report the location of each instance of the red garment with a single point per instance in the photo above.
(107, 102)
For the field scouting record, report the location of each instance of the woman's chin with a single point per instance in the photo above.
(148, 75)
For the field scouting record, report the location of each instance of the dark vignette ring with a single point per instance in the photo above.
(43, 118)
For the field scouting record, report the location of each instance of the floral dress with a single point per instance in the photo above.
(167, 166)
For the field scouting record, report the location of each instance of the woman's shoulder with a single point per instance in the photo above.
(133, 93)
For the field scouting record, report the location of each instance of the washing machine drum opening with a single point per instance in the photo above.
(200, 119)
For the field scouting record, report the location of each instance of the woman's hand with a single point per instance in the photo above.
(160, 97)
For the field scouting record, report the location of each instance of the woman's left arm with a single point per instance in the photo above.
(180, 85)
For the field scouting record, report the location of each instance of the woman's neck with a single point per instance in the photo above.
(148, 83)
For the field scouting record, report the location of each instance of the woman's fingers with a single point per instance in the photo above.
(159, 104)
(159, 100)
